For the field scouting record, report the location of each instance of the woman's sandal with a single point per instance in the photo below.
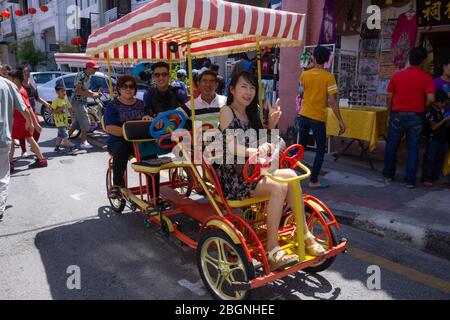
(114, 193)
(278, 258)
(313, 248)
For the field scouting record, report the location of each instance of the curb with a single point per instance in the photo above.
(425, 238)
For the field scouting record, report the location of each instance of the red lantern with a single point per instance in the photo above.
(32, 11)
(77, 41)
(18, 13)
(6, 14)
(44, 8)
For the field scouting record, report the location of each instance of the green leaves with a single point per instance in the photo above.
(28, 54)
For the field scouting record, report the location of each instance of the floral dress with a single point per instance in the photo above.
(232, 181)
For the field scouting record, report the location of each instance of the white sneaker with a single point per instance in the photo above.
(86, 145)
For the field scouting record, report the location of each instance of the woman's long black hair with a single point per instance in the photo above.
(252, 108)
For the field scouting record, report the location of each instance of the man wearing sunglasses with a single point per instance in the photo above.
(163, 97)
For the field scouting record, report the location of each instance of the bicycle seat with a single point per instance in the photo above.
(244, 202)
(154, 166)
(152, 163)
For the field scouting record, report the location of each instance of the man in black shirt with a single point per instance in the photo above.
(162, 98)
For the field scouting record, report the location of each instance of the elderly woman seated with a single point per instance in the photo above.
(120, 110)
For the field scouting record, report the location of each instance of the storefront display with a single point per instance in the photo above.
(381, 53)
(404, 38)
(345, 71)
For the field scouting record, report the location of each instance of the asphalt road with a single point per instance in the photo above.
(60, 217)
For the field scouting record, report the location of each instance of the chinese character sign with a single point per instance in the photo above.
(433, 12)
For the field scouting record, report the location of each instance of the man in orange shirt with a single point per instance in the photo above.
(320, 91)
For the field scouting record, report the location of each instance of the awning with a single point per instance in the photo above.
(79, 60)
(216, 28)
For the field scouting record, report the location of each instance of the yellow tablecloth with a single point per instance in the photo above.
(362, 123)
(446, 168)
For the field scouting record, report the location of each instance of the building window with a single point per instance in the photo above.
(24, 6)
(110, 4)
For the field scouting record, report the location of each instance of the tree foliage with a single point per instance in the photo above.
(28, 54)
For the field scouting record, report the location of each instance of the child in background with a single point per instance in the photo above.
(60, 110)
(436, 127)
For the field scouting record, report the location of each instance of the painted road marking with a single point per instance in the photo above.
(412, 274)
(77, 196)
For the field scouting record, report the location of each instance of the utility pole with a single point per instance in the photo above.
(101, 9)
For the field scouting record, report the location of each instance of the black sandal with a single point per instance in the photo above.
(114, 193)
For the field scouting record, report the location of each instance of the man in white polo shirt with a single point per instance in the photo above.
(208, 103)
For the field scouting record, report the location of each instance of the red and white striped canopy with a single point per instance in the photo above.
(79, 60)
(216, 28)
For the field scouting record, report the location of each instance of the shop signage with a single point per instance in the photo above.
(24, 26)
(6, 26)
(433, 12)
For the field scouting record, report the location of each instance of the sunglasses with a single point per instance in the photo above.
(128, 86)
(157, 75)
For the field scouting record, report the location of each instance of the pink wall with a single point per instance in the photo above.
(290, 57)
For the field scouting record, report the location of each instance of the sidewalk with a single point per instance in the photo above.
(359, 197)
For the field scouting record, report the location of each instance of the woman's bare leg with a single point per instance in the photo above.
(291, 196)
(35, 147)
(11, 152)
(277, 193)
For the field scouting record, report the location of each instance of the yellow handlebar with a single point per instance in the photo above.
(298, 178)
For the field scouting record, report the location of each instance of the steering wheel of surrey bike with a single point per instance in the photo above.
(169, 125)
(292, 160)
(263, 162)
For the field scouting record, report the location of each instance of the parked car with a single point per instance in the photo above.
(43, 77)
(98, 81)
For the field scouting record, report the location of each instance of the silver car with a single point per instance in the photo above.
(39, 78)
(98, 81)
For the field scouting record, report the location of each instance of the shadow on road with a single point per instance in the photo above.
(119, 258)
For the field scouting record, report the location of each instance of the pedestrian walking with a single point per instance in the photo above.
(33, 97)
(60, 109)
(10, 102)
(319, 92)
(79, 102)
(20, 130)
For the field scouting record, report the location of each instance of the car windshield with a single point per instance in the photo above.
(41, 78)
(69, 82)
(99, 82)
